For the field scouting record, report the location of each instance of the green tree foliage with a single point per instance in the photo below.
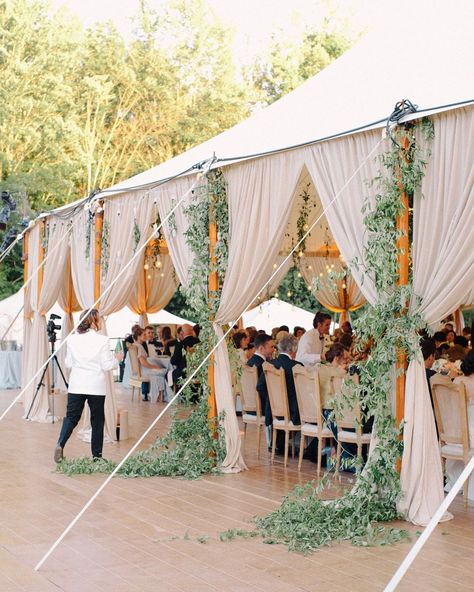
(82, 109)
(287, 65)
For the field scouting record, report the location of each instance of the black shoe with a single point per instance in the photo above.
(145, 399)
(58, 454)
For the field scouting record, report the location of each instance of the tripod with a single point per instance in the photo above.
(54, 359)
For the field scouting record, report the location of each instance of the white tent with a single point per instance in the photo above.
(327, 131)
(274, 313)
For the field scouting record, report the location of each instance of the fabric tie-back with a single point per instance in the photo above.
(333, 299)
(38, 349)
(443, 273)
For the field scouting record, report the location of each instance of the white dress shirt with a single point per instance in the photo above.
(89, 357)
(310, 348)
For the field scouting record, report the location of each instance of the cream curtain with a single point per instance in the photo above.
(332, 165)
(155, 286)
(68, 302)
(335, 298)
(260, 196)
(54, 267)
(443, 273)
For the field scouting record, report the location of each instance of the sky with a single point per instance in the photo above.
(253, 20)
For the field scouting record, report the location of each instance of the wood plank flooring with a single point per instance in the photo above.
(162, 534)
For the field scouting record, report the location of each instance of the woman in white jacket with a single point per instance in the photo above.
(89, 357)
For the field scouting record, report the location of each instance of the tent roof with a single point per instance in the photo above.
(274, 313)
(422, 57)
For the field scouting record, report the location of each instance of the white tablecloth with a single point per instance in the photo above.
(10, 369)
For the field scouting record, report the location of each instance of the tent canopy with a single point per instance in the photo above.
(275, 313)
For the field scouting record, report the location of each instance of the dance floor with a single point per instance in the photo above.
(162, 534)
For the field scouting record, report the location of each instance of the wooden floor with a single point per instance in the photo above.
(162, 534)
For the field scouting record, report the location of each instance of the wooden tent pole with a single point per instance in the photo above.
(42, 231)
(213, 286)
(26, 240)
(99, 226)
(403, 255)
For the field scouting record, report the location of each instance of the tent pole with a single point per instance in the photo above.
(99, 226)
(42, 230)
(26, 239)
(213, 286)
(403, 255)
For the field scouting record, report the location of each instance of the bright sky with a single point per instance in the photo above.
(253, 20)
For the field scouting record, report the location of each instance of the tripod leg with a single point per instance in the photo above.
(40, 384)
(60, 370)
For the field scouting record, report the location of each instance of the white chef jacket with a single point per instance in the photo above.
(89, 357)
(310, 348)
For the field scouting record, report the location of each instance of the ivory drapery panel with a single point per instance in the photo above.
(56, 234)
(68, 302)
(333, 299)
(256, 229)
(152, 294)
(443, 273)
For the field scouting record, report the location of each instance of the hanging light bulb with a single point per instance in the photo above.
(149, 276)
(146, 266)
(332, 266)
(321, 274)
(288, 293)
(162, 275)
(344, 286)
(276, 294)
(299, 274)
(300, 254)
(309, 287)
(275, 266)
(305, 227)
(158, 264)
(310, 267)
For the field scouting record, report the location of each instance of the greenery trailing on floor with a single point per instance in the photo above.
(304, 522)
(188, 449)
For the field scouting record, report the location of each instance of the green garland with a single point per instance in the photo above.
(105, 249)
(304, 522)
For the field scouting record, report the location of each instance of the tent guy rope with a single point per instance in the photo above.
(190, 378)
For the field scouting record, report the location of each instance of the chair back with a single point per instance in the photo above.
(134, 363)
(307, 395)
(248, 389)
(346, 417)
(277, 394)
(451, 410)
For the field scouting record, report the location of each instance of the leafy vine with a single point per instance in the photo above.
(105, 249)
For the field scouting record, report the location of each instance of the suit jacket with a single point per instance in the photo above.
(257, 361)
(178, 359)
(285, 362)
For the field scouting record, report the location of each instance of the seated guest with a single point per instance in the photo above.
(450, 336)
(440, 341)
(279, 336)
(179, 334)
(285, 328)
(130, 340)
(264, 348)
(466, 332)
(286, 360)
(299, 332)
(311, 345)
(148, 370)
(197, 330)
(167, 341)
(252, 333)
(448, 327)
(459, 350)
(241, 342)
(178, 359)
(346, 340)
(346, 327)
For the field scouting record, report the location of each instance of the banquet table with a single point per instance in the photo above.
(10, 369)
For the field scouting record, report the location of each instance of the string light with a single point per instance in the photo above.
(300, 254)
(344, 286)
(288, 293)
(299, 274)
(149, 276)
(310, 267)
(162, 275)
(146, 266)
(275, 266)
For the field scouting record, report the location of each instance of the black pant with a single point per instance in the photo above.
(75, 406)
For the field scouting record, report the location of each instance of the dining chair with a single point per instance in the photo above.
(309, 405)
(278, 397)
(348, 418)
(136, 379)
(450, 407)
(250, 399)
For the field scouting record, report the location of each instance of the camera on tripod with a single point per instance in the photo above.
(52, 327)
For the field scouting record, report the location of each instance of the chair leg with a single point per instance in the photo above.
(274, 442)
(301, 451)
(259, 431)
(293, 445)
(287, 443)
(465, 489)
(320, 454)
(338, 456)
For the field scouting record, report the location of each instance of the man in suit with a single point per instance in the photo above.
(311, 345)
(287, 347)
(178, 359)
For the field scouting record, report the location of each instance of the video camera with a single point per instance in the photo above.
(51, 327)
